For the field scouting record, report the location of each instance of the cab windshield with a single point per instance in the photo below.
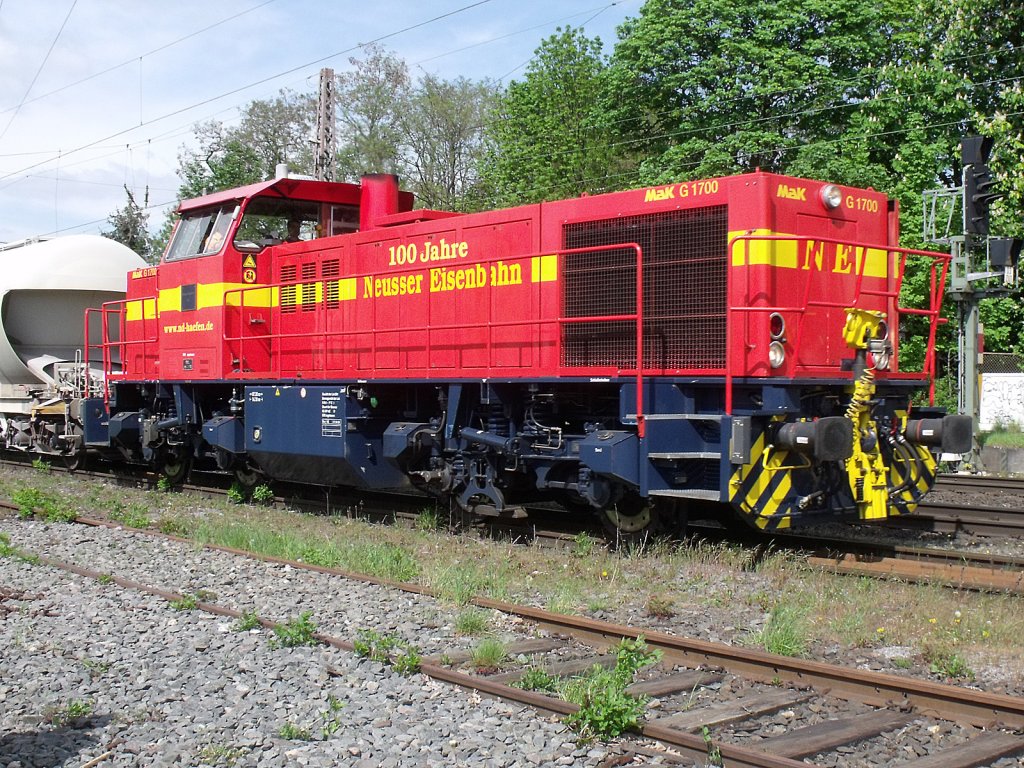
(201, 233)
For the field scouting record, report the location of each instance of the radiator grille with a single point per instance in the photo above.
(684, 255)
(332, 292)
(309, 287)
(289, 274)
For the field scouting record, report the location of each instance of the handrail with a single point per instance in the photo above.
(860, 260)
(105, 310)
(560, 320)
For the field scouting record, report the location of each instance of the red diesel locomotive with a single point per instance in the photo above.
(645, 353)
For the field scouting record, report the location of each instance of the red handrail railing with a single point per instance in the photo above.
(560, 320)
(811, 267)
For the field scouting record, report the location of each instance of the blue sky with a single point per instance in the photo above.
(96, 94)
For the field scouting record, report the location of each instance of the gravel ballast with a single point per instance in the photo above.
(92, 674)
(168, 687)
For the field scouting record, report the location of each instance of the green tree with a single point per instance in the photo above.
(270, 131)
(370, 101)
(442, 132)
(548, 137)
(710, 87)
(129, 226)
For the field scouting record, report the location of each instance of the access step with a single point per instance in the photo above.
(674, 455)
(677, 416)
(688, 493)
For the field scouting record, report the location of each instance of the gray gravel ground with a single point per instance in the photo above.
(166, 687)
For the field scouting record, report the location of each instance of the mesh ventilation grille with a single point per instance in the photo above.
(685, 268)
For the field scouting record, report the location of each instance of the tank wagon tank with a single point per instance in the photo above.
(45, 288)
(643, 354)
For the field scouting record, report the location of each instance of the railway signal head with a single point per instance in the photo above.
(978, 184)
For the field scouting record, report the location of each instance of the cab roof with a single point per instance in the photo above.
(341, 193)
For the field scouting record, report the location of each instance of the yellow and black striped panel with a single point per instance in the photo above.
(924, 480)
(761, 489)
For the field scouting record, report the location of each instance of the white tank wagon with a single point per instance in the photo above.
(45, 288)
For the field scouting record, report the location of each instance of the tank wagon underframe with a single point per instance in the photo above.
(647, 354)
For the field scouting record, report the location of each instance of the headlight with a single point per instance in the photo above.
(776, 354)
(880, 347)
(831, 196)
(776, 326)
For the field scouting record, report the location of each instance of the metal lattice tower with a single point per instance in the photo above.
(324, 164)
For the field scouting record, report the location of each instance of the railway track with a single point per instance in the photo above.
(1006, 519)
(952, 518)
(712, 699)
(955, 568)
(1011, 485)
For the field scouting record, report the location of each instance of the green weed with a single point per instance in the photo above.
(221, 754)
(605, 709)
(660, 607)
(537, 679)
(173, 526)
(948, 664)
(73, 710)
(331, 717)
(294, 733)
(785, 633)
(187, 602)
(41, 465)
(407, 661)
(133, 516)
(296, 631)
(714, 753)
(488, 655)
(583, 545)
(95, 668)
(471, 621)
(387, 649)
(372, 645)
(236, 493)
(248, 621)
(9, 550)
(262, 494)
(427, 520)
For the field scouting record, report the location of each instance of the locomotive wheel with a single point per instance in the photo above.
(248, 476)
(634, 521)
(175, 469)
(631, 521)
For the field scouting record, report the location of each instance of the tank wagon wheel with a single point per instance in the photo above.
(634, 520)
(75, 461)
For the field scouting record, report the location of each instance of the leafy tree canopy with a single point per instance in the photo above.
(129, 226)
(549, 138)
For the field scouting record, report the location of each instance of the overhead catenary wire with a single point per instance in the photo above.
(261, 81)
(624, 144)
(39, 71)
(141, 56)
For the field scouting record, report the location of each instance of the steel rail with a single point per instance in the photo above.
(1013, 485)
(694, 746)
(978, 708)
(948, 518)
(964, 705)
